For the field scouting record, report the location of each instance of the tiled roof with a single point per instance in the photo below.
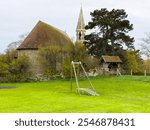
(115, 59)
(43, 34)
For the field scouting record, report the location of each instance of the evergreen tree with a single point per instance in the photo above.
(109, 32)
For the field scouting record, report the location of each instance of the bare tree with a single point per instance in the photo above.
(14, 45)
(145, 45)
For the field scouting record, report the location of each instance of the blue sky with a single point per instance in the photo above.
(20, 16)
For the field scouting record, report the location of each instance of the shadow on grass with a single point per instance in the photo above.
(7, 87)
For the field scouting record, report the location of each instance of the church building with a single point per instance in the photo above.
(41, 36)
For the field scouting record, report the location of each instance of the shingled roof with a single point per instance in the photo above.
(43, 34)
(111, 59)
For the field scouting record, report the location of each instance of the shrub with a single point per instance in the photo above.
(13, 69)
(91, 62)
(66, 68)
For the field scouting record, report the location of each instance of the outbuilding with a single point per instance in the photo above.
(110, 64)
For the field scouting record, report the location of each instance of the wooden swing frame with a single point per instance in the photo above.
(73, 70)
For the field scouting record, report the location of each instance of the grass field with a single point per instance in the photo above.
(117, 94)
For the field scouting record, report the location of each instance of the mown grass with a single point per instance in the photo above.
(117, 94)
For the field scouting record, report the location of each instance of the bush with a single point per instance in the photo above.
(91, 62)
(13, 69)
(66, 68)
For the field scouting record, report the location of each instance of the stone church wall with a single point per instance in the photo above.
(34, 61)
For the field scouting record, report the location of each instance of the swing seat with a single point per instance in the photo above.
(87, 91)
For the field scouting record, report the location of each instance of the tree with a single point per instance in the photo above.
(145, 45)
(147, 65)
(109, 32)
(14, 45)
(132, 62)
(79, 52)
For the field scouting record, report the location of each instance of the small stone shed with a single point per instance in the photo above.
(110, 64)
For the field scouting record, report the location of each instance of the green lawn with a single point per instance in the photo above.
(117, 94)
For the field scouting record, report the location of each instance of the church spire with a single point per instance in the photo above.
(80, 30)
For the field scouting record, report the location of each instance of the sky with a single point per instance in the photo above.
(18, 17)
